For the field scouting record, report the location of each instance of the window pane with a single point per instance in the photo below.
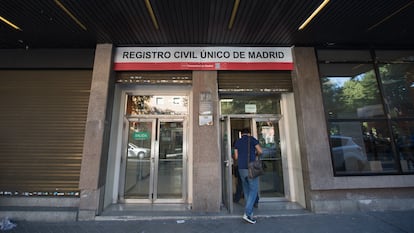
(398, 82)
(404, 135)
(361, 147)
(344, 55)
(156, 105)
(395, 55)
(350, 91)
(250, 105)
(361, 112)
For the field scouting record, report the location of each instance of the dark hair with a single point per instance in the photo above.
(245, 130)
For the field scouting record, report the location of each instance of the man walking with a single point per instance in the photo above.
(243, 154)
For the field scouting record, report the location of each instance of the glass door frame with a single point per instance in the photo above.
(226, 149)
(275, 119)
(154, 159)
(124, 160)
(227, 163)
(117, 148)
(183, 198)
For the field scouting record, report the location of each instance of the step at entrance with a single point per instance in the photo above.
(183, 211)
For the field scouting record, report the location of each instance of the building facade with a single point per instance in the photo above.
(84, 130)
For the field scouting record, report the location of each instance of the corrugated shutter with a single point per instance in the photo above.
(254, 81)
(42, 125)
(158, 78)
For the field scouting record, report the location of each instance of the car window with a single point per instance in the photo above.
(336, 142)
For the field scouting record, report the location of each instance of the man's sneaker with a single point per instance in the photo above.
(249, 219)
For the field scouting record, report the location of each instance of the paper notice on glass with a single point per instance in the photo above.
(250, 108)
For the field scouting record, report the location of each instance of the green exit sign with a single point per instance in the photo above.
(141, 135)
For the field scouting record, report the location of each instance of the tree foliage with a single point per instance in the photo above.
(356, 92)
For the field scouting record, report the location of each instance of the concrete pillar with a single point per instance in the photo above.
(206, 154)
(93, 160)
(314, 147)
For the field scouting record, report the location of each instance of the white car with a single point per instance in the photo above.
(347, 155)
(138, 152)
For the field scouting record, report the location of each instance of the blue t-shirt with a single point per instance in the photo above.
(241, 146)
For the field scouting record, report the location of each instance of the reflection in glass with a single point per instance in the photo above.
(225, 158)
(138, 160)
(361, 116)
(271, 183)
(398, 82)
(170, 165)
(250, 105)
(404, 136)
(361, 147)
(350, 91)
(156, 105)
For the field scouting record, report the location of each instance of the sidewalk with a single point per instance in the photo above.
(370, 222)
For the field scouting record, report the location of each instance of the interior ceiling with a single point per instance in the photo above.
(342, 23)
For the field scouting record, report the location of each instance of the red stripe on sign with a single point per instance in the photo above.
(256, 66)
(203, 66)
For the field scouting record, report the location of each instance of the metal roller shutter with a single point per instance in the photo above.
(42, 125)
(254, 81)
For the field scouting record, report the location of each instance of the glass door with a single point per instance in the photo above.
(169, 161)
(227, 163)
(154, 161)
(139, 159)
(267, 132)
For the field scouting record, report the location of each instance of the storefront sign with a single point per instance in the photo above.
(203, 58)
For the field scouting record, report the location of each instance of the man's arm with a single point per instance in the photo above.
(236, 154)
(259, 149)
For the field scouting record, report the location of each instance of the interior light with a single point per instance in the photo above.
(10, 23)
(151, 13)
(70, 15)
(320, 7)
(233, 13)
